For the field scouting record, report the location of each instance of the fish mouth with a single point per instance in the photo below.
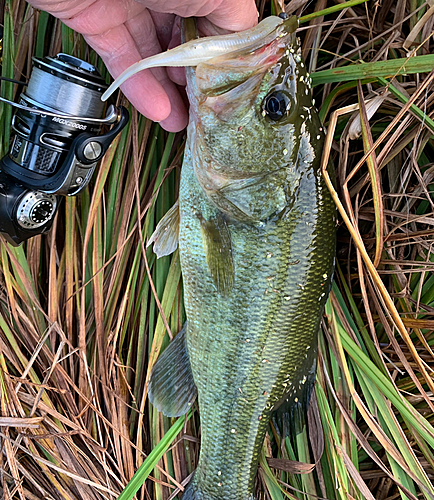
(222, 73)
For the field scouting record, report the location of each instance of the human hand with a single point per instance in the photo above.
(123, 32)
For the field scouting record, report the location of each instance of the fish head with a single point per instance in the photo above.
(253, 127)
(252, 119)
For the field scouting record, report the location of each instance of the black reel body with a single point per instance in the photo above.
(56, 143)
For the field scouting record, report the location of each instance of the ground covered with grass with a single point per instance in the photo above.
(86, 309)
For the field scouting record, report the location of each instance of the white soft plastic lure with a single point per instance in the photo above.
(200, 50)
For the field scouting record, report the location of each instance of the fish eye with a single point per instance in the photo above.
(276, 105)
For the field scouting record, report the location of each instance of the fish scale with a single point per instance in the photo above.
(257, 245)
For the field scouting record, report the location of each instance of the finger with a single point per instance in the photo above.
(144, 34)
(184, 8)
(208, 28)
(96, 16)
(62, 10)
(163, 25)
(118, 51)
(178, 118)
(177, 75)
(229, 14)
(235, 16)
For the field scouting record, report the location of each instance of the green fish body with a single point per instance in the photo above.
(257, 246)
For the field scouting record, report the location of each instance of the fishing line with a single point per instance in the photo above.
(11, 80)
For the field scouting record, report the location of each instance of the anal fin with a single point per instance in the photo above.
(166, 234)
(171, 388)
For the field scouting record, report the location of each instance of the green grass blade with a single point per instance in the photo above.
(41, 34)
(417, 111)
(393, 67)
(7, 71)
(330, 10)
(152, 459)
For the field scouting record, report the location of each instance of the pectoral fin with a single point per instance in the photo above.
(218, 250)
(171, 388)
(290, 414)
(166, 234)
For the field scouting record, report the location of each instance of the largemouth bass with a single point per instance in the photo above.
(257, 245)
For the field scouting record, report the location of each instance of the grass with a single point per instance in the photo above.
(85, 310)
